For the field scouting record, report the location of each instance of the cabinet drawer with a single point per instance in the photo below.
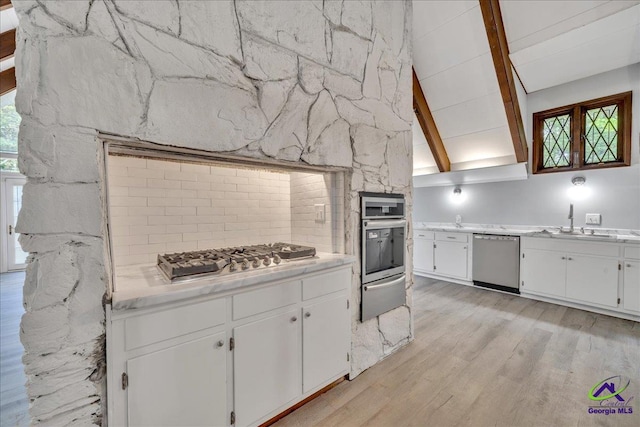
(632, 252)
(327, 283)
(163, 325)
(265, 299)
(423, 234)
(452, 237)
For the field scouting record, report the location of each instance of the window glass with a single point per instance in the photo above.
(9, 127)
(601, 135)
(556, 141)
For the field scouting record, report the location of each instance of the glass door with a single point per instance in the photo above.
(16, 258)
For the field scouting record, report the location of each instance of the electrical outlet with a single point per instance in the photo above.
(593, 219)
(319, 209)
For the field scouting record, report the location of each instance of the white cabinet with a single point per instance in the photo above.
(325, 341)
(592, 279)
(577, 271)
(423, 254)
(450, 259)
(544, 272)
(267, 366)
(180, 385)
(248, 354)
(631, 285)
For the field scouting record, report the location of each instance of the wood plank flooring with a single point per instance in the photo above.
(483, 358)
(13, 396)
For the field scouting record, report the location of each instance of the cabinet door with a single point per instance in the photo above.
(423, 254)
(181, 385)
(325, 341)
(592, 279)
(631, 297)
(267, 367)
(544, 272)
(450, 259)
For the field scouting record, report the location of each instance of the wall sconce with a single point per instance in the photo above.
(579, 190)
(457, 196)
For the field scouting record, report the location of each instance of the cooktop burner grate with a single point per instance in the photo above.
(185, 264)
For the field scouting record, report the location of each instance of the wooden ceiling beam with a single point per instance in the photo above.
(5, 4)
(7, 80)
(428, 125)
(492, 18)
(7, 44)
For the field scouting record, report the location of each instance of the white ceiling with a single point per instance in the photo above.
(551, 43)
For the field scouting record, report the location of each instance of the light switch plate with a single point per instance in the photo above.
(593, 219)
(319, 209)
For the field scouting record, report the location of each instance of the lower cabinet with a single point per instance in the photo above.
(267, 367)
(451, 259)
(592, 279)
(544, 271)
(326, 334)
(631, 285)
(182, 385)
(444, 254)
(236, 360)
(423, 254)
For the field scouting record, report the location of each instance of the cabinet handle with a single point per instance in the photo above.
(294, 318)
(307, 314)
(564, 257)
(570, 259)
(220, 344)
(628, 265)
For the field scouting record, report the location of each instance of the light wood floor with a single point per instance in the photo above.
(483, 358)
(13, 396)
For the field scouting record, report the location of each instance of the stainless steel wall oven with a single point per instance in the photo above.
(383, 253)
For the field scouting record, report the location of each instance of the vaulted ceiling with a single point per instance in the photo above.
(549, 43)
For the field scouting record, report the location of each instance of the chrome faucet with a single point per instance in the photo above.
(571, 217)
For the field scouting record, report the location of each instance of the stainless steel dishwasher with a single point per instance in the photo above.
(496, 262)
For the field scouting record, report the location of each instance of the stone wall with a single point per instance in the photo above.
(318, 82)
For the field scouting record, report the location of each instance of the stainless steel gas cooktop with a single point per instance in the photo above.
(229, 260)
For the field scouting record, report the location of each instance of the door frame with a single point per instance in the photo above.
(8, 179)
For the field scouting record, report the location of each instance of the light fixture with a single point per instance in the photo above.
(457, 196)
(579, 189)
(457, 192)
(578, 180)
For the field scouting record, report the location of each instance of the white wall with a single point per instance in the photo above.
(543, 199)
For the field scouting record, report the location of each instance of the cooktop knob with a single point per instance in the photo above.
(245, 264)
(233, 265)
(256, 263)
(267, 260)
(276, 259)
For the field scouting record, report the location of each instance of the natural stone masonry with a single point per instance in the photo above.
(318, 82)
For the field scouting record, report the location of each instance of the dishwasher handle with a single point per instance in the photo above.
(494, 237)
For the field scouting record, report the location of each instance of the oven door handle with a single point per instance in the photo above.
(382, 223)
(385, 285)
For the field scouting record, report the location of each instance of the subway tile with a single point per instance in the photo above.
(165, 220)
(204, 235)
(165, 238)
(146, 173)
(127, 201)
(195, 168)
(163, 183)
(147, 249)
(189, 210)
(129, 220)
(210, 211)
(146, 192)
(118, 191)
(209, 178)
(163, 165)
(118, 211)
(127, 181)
(147, 230)
(204, 194)
(235, 226)
(176, 247)
(191, 185)
(126, 161)
(210, 227)
(114, 170)
(165, 201)
(236, 180)
(146, 210)
(236, 196)
(248, 173)
(182, 193)
(130, 240)
(180, 176)
(236, 211)
(195, 202)
(223, 171)
(206, 219)
(129, 259)
(183, 228)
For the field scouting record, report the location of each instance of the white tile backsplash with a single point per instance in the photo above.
(159, 206)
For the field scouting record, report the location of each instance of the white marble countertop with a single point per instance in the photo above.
(143, 286)
(600, 234)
